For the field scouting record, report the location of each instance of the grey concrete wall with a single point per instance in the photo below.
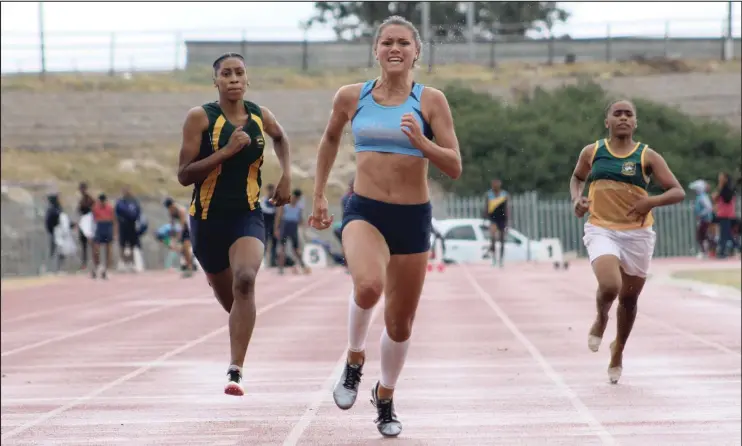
(356, 55)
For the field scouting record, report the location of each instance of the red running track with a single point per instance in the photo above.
(499, 356)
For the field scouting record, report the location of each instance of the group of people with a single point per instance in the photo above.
(99, 224)
(717, 224)
(399, 127)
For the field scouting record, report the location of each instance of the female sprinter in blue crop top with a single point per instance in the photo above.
(386, 228)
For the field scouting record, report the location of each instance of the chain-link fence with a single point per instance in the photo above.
(538, 217)
(27, 246)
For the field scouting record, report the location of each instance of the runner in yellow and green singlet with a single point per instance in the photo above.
(221, 156)
(618, 233)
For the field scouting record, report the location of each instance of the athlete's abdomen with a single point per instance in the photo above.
(392, 178)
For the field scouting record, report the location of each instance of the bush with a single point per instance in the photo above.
(534, 144)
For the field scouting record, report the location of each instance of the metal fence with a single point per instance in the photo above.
(354, 55)
(26, 246)
(538, 218)
(118, 52)
(26, 253)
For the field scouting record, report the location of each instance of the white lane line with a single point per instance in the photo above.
(323, 394)
(76, 402)
(577, 403)
(84, 331)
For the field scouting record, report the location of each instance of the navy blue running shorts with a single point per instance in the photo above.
(290, 233)
(212, 238)
(405, 227)
(103, 232)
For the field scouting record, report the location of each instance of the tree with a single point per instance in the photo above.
(533, 144)
(516, 18)
(353, 20)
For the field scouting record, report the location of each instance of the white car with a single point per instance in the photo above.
(468, 241)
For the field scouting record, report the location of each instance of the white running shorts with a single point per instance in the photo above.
(634, 248)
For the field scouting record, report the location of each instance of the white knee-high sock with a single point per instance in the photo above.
(393, 356)
(359, 320)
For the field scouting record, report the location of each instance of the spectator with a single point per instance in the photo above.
(105, 228)
(165, 235)
(64, 238)
(51, 221)
(288, 225)
(703, 210)
(85, 226)
(724, 197)
(269, 219)
(179, 218)
(128, 213)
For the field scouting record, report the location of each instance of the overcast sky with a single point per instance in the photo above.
(79, 34)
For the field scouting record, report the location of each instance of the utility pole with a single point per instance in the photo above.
(729, 40)
(426, 22)
(427, 41)
(42, 40)
(470, 31)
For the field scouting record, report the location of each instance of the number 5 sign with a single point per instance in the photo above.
(314, 256)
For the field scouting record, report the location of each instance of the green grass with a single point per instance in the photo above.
(726, 277)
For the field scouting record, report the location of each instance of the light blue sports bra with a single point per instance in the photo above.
(376, 128)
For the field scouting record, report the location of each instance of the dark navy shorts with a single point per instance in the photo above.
(290, 233)
(212, 238)
(103, 232)
(128, 236)
(405, 227)
(500, 222)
